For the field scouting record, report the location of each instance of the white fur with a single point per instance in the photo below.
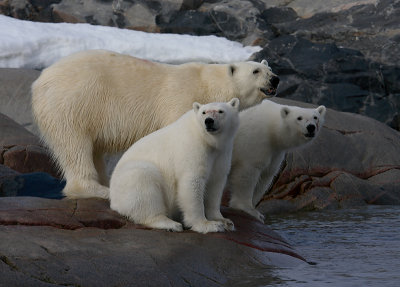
(266, 132)
(97, 101)
(182, 167)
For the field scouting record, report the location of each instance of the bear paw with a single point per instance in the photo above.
(85, 189)
(206, 226)
(228, 224)
(256, 214)
(163, 222)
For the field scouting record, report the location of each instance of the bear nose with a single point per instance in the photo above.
(310, 128)
(274, 81)
(209, 122)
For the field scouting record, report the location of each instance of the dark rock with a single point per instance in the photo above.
(279, 15)
(355, 161)
(340, 78)
(21, 150)
(189, 22)
(29, 158)
(38, 184)
(395, 123)
(8, 182)
(191, 4)
(67, 242)
(36, 10)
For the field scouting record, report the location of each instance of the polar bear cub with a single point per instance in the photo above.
(266, 132)
(180, 169)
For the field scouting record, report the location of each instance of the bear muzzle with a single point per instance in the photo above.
(210, 125)
(310, 131)
(273, 85)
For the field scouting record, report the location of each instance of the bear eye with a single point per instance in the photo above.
(256, 71)
(299, 118)
(204, 112)
(220, 111)
(315, 118)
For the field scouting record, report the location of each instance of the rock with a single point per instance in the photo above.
(359, 25)
(67, 242)
(236, 20)
(12, 134)
(8, 183)
(38, 184)
(138, 15)
(354, 161)
(29, 158)
(21, 150)
(339, 78)
(15, 96)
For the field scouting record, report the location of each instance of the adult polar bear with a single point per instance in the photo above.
(179, 169)
(97, 101)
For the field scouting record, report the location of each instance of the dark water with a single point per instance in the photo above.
(357, 247)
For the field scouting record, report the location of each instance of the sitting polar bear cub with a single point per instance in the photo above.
(182, 167)
(266, 132)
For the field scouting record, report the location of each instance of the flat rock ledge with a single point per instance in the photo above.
(47, 242)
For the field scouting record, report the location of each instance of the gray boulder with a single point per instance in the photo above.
(15, 96)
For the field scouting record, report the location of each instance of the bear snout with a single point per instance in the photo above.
(274, 82)
(209, 122)
(311, 131)
(272, 86)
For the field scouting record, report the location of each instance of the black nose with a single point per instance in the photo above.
(274, 81)
(310, 129)
(209, 122)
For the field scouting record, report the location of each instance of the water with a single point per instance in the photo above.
(357, 247)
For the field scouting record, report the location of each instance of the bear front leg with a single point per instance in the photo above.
(191, 202)
(242, 183)
(212, 201)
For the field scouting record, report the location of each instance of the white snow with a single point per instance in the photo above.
(26, 44)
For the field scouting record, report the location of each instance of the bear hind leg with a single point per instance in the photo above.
(137, 191)
(76, 162)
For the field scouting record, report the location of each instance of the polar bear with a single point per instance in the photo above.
(98, 102)
(266, 133)
(181, 167)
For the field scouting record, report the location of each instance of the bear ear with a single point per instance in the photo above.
(232, 69)
(321, 110)
(265, 62)
(234, 103)
(196, 106)
(284, 112)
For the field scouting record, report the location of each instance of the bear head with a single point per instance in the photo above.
(301, 125)
(218, 118)
(253, 81)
